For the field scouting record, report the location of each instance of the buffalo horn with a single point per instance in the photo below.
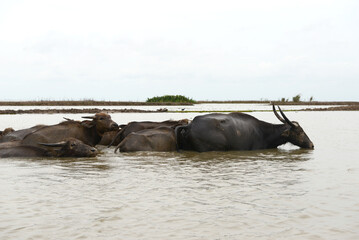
(118, 146)
(69, 119)
(285, 117)
(277, 115)
(58, 144)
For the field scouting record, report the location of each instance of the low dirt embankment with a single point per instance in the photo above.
(339, 106)
(86, 103)
(73, 110)
(315, 103)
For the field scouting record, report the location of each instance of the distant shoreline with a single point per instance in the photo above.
(73, 110)
(85, 103)
(129, 103)
(340, 106)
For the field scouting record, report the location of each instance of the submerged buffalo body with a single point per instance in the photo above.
(239, 131)
(161, 139)
(89, 132)
(19, 134)
(138, 126)
(70, 147)
(10, 144)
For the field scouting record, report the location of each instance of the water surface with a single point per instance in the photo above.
(284, 193)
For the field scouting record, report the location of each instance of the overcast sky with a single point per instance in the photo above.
(206, 50)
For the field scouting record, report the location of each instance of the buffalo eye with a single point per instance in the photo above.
(73, 144)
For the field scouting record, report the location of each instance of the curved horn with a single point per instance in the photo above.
(58, 144)
(117, 135)
(69, 119)
(277, 115)
(285, 118)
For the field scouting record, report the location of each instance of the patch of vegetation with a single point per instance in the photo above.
(171, 98)
(296, 98)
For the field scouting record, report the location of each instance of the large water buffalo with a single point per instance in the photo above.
(239, 131)
(19, 134)
(70, 147)
(138, 126)
(89, 132)
(160, 139)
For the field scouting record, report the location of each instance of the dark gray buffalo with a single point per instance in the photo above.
(70, 147)
(89, 132)
(138, 126)
(239, 131)
(160, 139)
(19, 134)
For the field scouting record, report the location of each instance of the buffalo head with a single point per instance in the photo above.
(72, 147)
(6, 131)
(102, 121)
(294, 133)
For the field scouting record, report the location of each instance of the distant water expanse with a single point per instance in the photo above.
(195, 107)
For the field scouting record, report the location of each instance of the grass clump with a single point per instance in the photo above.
(171, 98)
(296, 98)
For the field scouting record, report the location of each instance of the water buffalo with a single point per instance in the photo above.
(239, 131)
(19, 134)
(89, 132)
(160, 139)
(70, 147)
(107, 138)
(9, 144)
(138, 126)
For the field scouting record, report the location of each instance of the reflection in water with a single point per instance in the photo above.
(64, 167)
(156, 195)
(265, 155)
(204, 194)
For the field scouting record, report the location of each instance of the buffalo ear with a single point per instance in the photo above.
(58, 144)
(88, 124)
(285, 133)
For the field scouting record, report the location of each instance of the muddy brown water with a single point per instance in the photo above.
(284, 193)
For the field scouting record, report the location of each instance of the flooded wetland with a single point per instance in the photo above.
(284, 193)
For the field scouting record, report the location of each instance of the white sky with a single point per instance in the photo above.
(206, 50)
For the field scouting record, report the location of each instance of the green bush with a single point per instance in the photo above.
(296, 98)
(171, 98)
